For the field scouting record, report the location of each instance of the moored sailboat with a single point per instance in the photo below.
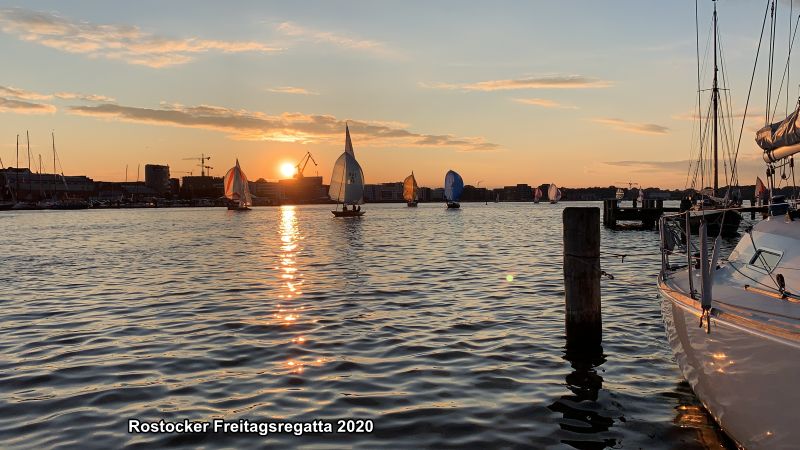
(744, 358)
(453, 188)
(237, 189)
(410, 190)
(347, 182)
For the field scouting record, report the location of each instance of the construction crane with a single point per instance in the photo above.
(202, 158)
(301, 166)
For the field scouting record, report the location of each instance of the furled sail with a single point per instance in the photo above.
(780, 139)
(453, 186)
(347, 180)
(236, 186)
(410, 188)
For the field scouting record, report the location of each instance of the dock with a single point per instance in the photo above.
(646, 214)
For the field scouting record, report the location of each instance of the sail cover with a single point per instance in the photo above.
(780, 134)
(236, 186)
(453, 186)
(410, 188)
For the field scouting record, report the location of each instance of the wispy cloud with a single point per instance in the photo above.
(544, 103)
(633, 127)
(292, 90)
(542, 82)
(116, 42)
(287, 127)
(650, 166)
(23, 107)
(86, 97)
(9, 91)
(302, 33)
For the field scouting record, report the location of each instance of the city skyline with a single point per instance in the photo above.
(424, 87)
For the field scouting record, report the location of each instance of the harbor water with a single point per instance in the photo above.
(445, 328)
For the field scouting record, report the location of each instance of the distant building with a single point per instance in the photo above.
(384, 192)
(174, 187)
(267, 191)
(156, 177)
(29, 186)
(202, 187)
(303, 190)
(437, 195)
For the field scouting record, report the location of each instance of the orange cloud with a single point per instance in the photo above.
(287, 127)
(326, 37)
(292, 90)
(543, 102)
(544, 82)
(116, 42)
(9, 91)
(23, 107)
(633, 127)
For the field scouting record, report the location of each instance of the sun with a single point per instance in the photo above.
(287, 170)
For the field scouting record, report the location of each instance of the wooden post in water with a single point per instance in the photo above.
(582, 277)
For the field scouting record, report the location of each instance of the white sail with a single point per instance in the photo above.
(237, 187)
(410, 188)
(553, 193)
(538, 195)
(347, 180)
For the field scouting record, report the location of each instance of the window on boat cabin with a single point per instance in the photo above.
(765, 260)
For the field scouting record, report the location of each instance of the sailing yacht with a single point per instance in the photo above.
(743, 360)
(537, 196)
(410, 190)
(237, 189)
(554, 193)
(453, 188)
(347, 182)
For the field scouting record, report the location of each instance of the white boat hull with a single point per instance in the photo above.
(746, 376)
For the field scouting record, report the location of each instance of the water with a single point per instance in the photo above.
(443, 327)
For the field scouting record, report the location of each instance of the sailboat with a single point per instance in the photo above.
(347, 181)
(554, 193)
(453, 188)
(537, 196)
(410, 190)
(717, 212)
(237, 189)
(66, 202)
(743, 361)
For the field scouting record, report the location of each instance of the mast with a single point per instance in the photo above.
(715, 101)
(30, 172)
(55, 171)
(16, 172)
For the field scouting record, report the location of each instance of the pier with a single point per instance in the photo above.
(646, 214)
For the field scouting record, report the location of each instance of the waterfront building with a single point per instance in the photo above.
(202, 187)
(302, 190)
(156, 177)
(30, 186)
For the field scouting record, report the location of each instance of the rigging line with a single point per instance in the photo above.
(750, 91)
(789, 55)
(785, 72)
(771, 62)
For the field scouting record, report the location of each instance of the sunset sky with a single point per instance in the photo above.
(580, 93)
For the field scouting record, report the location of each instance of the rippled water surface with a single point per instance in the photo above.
(444, 327)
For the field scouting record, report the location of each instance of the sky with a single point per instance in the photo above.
(579, 93)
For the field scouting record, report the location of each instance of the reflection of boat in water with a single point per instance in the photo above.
(410, 190)
(237, 189)
(553, 193)
(743, 361)
(453, 188)
(347, 182)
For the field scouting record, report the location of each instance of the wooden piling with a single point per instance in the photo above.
(582, 277)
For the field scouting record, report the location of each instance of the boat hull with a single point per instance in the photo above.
(453, 205)
(411, 204)
(238, 208)
(745, 375)
(348, 213)
(727, 221)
